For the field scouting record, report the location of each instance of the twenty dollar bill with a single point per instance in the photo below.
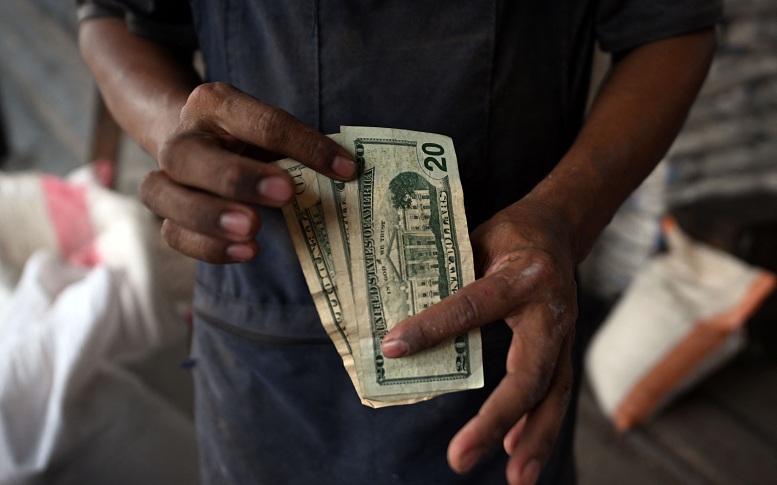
(382, 248)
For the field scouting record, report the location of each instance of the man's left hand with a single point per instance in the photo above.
(526, 278)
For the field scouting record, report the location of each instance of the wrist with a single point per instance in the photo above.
(540, 222)
(571, 201)
(162, 126)
(144, 84)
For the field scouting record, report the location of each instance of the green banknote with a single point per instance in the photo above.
(382, 248)
(305, 219)
(409, 248)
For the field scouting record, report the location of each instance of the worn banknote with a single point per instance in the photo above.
(382, 248)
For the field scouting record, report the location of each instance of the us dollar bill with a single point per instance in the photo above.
(382, 248)
(305, 220)
(408, 249)
(316, 251)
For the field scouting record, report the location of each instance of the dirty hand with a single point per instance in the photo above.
(214, 168)
(525, 268)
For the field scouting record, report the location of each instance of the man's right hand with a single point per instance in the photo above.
(214, 168)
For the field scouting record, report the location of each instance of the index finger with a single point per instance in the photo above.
(252, 121)
(491, 298)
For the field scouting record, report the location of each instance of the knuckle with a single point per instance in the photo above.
(502, 285)
(233, 181)
(171, 233)
(169, 153)
(207, 92)
(192, 106)
(420, 336)
(454, 320)
(200, 96)
(269, 124)
(494, 299)
(204, 100)
(148, 189)
(191, 244)
(319, 149)
(229, 174)
(468, 310)
(181, 150)
(541, 267)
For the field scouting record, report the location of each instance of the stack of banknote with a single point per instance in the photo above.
(381, 248)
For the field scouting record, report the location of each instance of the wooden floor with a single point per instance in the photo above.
(724, 432)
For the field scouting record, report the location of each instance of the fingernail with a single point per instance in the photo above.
(235, 222)
(530, 473)
(240, 252)
(469, 459)
(395, 348)
(343, 166)
(274, 188)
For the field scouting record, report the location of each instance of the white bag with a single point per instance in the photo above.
(91, 387)
(681, 318)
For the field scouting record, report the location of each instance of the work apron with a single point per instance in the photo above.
(274, 404)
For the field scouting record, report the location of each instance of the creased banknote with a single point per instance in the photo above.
(382, 248)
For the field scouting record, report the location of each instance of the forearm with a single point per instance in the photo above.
(144, 84)
(636, 115)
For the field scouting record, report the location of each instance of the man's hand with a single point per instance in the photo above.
(214, 168)
(527, 252)
(212, 142)
(526, 277)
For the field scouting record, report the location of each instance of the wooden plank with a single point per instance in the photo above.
(747, 391)
(714, 443)
(604, 456)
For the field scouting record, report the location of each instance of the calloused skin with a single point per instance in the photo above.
(212, 143)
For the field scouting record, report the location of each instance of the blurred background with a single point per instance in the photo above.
(712, 419)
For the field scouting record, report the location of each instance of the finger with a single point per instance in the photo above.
(197, 211)
(529, 372)
(207, 248)
(268, 127)
(531, 364)
(200, 162)
(542, 425)
(514, 435)
(488, 299)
